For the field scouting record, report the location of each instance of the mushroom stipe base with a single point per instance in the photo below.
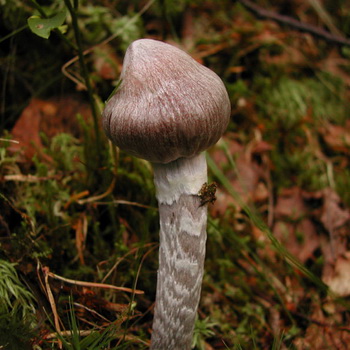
(181, 263)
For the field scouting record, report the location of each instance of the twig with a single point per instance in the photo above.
(29, 178)
(80, 84)
(95, 313)
(95, 285)
(75, 197)
(52, 303)
(8, 36)
(119, 260)
(6, 140)
(294, 23)
(100, 196)
(85, 333)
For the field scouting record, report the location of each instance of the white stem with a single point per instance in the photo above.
(183, 224)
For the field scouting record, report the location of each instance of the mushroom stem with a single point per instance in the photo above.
(183, 222)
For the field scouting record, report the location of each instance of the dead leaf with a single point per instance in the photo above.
(335, 64)
(290, 204)
(300, 239)
(293, 227)
(223, 202)
(337, 137)
(233, 147)
(323, 336)
(246, 176)
(26, 130)
(50, 117)
(333, 216)
(261, 193)
(339, 280)
(245, 181)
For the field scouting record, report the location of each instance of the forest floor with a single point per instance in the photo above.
(79, 220)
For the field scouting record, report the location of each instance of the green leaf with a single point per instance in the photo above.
(43, 26)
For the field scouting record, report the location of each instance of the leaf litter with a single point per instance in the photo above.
(279, 81)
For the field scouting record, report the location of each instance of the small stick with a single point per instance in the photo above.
(294, 23)
(6, 140)
(96, 285)
(52, 303)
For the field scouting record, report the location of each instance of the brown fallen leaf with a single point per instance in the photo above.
(335, 64)
(261, 192)
(26, 130)
(233, 148)
(338, 280)
(300, 239)
(223, 202)
(290, 204)
(333, 215)
(246, 176)
(310, 241)
(326, 330)
(336, 137)
(293, 227)
(334, 245)
(51, 117)
(247, 179)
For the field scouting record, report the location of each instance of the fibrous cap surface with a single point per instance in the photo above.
(168, 105)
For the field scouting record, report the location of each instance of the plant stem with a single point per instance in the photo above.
(18, 30)
(84, 71)
(183, 224)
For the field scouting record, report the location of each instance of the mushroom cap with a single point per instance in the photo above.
(167, 106)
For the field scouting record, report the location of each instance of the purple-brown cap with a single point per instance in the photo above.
(167, 106)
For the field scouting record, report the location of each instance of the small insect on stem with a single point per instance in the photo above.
(207, 193)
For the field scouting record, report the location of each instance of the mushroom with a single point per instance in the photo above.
(168, 109)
